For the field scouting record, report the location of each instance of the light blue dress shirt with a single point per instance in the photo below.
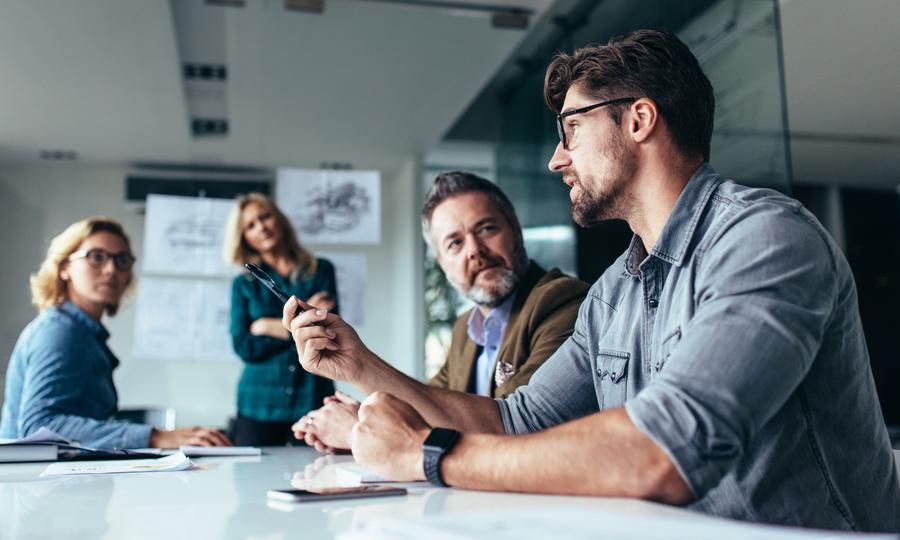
(60, 377)
(488, 332)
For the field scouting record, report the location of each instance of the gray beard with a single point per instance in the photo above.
(509, 281)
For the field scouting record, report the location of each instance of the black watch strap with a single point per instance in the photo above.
(439, 442)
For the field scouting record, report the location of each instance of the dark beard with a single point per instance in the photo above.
(590, 208)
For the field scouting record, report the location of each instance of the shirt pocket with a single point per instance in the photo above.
(612, 369)
(665, 349)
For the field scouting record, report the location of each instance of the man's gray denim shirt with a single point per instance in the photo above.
(737, 346)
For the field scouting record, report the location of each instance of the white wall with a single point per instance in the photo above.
(37, 201)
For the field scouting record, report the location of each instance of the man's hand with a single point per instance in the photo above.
(388, 438)
(269, 326)
(322, 300)
(327, 346)
(328, 428)
(192, 436)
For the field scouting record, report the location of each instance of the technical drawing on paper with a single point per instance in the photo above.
(336, 208)
(332, 207)
(193, 232)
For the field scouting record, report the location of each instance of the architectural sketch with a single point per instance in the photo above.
(336, 208)
(184, 236)
(331, 207)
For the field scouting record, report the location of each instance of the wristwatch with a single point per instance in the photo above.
(439, 442)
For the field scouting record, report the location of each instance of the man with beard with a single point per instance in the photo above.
(522, 312)
(719, 363)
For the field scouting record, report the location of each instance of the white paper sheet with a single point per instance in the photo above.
(42, 435)
(184, 236)
(182, 319)
(204, 451)
(175, 462)
(350, 271)
(352, 473)
(331, 207)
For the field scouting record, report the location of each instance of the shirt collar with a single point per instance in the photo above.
(477, 320)
(79, 315)
(679, 229)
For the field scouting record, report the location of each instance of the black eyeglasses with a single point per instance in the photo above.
(97, 257)
(565, 135)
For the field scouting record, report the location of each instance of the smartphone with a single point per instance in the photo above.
(334, 493)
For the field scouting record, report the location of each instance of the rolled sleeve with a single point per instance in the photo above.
(558, 391)
(763, 306)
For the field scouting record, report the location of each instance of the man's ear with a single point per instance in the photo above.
(643, 119)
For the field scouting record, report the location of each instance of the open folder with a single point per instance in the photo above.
(46, 445)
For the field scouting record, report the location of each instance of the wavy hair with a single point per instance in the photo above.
(47, 289)
(237, 251)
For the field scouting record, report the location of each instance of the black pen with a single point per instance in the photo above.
(263, 277)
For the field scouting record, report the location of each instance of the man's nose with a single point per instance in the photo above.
(560, 159)
(474, 247)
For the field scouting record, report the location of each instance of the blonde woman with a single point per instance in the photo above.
(60, 372)
(273, 390)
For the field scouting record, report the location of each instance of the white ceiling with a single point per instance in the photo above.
(365, 83)
(842, 72)
(371, 84)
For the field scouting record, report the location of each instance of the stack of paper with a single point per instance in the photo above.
(175, 462)
(42, 445)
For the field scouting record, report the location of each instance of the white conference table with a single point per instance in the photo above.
(226, 498)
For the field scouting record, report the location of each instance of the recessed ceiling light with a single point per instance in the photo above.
(59, 155)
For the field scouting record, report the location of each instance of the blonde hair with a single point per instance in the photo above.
(237, 250)
(47, 288)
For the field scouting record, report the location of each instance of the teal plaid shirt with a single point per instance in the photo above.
(273, 386)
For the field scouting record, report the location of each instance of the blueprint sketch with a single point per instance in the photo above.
(331, 207)
(184, 236)
(350, 272)
(183, 320)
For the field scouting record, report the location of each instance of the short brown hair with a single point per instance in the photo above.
(645, 63)
(47, 289)
(236, 249)
(455, 183)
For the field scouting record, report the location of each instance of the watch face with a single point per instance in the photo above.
(441, 438)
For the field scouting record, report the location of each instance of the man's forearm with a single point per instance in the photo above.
(601, 454)
(438, 406)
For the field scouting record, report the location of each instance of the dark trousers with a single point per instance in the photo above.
(246, 432)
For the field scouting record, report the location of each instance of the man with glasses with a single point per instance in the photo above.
(522, 312)
(719, 363)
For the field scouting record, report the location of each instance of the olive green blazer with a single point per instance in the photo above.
(542, 317)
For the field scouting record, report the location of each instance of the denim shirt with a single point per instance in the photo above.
(735, 345)
(60, 377)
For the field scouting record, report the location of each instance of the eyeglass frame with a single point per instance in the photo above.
(84, 254)
(560, 129)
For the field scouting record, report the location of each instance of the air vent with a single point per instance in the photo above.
(205, 72)
(209, 127)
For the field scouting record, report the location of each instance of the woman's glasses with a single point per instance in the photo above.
(97, 257)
